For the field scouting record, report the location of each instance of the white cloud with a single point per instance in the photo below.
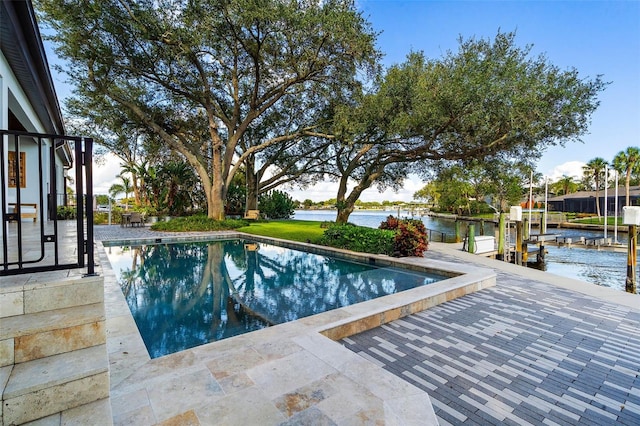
(570, 168)
(104, 173)
(327, 190)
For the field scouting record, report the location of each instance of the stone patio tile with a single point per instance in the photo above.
(284, 375)
(302, 398)
(378, 381)
(131, 343)
(310, 416)
(276, 349)
(158, 370)
(122, 366)
(130, 402)
(235, 383)
(371, 417)
(222, 348)
(177, 394)
(412, 409)
(121, 325)
(253, 408)
(349, 400)
(233, 363)
(187, 418)
(141, 417)
(98, 412)
(324, 348)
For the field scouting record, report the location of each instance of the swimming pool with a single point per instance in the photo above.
(184, 295)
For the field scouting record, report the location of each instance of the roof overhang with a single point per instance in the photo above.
(21, 44)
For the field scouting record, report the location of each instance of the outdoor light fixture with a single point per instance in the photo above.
(515, 213)
(630, 215)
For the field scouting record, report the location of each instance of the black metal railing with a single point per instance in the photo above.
(439, 236)
(40, 246)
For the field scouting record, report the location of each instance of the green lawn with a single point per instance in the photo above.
(596, 221)
(295, 230)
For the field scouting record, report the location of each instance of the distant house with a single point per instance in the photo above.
(28, 103)
(585, 201)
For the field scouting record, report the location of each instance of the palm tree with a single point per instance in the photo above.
(627, 162)
(565, 185)
(132, 168)
(594, 172)
(119, 188)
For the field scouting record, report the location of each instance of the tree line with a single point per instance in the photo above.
(252, 95)
(482, 188)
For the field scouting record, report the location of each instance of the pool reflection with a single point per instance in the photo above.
(185, 295)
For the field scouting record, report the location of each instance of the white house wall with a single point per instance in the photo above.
(13, 98)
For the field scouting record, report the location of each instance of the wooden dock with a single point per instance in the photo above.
(599, 243)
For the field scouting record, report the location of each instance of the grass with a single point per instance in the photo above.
(295, 230)
(598, 221)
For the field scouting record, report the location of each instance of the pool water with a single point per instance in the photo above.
(184, 295)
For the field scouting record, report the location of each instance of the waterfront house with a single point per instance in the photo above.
(28, 103)
(53, 359)
(585, 201)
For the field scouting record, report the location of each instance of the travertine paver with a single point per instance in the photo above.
(523, 352)
(287, 374)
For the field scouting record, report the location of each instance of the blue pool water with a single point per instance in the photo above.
(188, 294)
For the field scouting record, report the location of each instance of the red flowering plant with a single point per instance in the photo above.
(411, 236)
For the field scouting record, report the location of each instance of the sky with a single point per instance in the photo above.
(594, 37)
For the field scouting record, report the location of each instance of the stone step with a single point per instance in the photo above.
(94, 413)
(33, 297)
(54, 384)
(27, 337)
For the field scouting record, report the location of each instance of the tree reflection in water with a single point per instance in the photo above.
(185, 295)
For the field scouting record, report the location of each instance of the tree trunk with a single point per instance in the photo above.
(252, 184)
(215, 201)
(344, 213)
(346, 205)
(136, 190)
(341, 202)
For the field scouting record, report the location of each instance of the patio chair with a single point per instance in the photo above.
(252, 214)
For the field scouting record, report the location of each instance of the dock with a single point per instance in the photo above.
(599, 243)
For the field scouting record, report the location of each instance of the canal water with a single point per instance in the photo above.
(603, 268)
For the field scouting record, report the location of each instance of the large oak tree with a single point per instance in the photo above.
(490, 99)
(199, 73)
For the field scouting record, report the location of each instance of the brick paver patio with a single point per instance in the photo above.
(523, 352)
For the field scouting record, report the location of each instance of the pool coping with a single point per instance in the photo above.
(310, 342)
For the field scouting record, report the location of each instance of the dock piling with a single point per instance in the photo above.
(471, 239)
(519, 239)
(632, 260)
(501, 236)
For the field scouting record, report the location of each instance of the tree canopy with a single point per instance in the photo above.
(199, 74)
(489, 101)
(594, 174)
(277, 89)
(627, 162)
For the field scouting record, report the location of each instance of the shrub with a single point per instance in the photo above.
(198, 223)
(410, 236)
(359, 238)
(66, 213)
(276, 205)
